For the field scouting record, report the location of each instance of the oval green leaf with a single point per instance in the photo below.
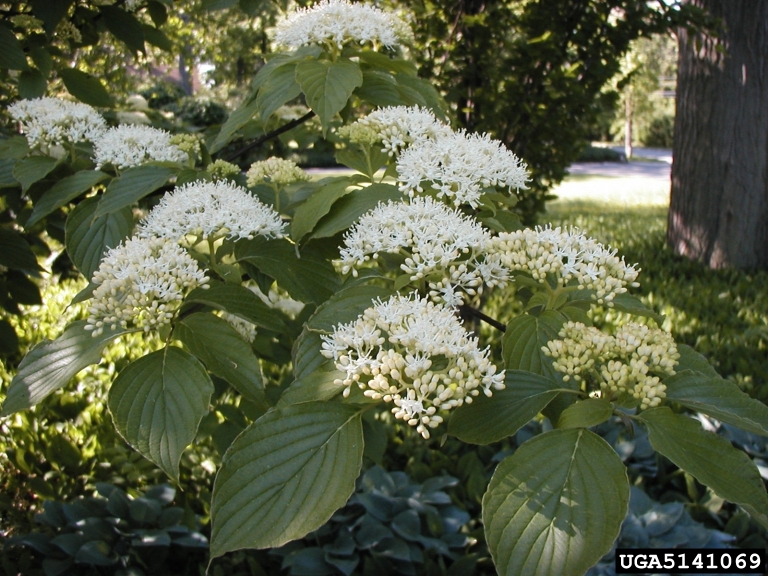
(488, 420)
(555, 506)
(33, 169)
(345, 306)
(52, 364)
(328, 85)
(225, 353)
(157, 403)
(239, 301)
(586, 413)
(86, 88)
(64, 191)
(285, 475)
(729, 472)
(88, 238)
(131, 186)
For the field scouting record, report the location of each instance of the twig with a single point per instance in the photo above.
(466, 309)
(275, 133)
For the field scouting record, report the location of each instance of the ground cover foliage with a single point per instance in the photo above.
(286, 336)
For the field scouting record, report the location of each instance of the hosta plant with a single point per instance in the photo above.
(364, 289)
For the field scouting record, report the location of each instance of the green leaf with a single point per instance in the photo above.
(280, 59)
(12, 57)
(384, 62)
(235, 121)
(219, 346)
(310, 278)
(285, 475)
(32, 84)
(379, 88)
(692, 360)
(488, 420)
(239, 301)
(157, 403)
(281, 87)
(345, 306)
(50, 12)
(349, 208)
(328, 85)
(719, 398)
(212, 5)
(124, 26)
(309, 212)
(555, 507)
(15, 252)
(42, 59)
(317, 385)
(157, 38)
(52, 364)
(88, 237)
(131, 186)
(64, 191)
(15, 147)
(306, 354)
(86, 88)
(586, 413)
(729, 472)
(357, 160)
(158, 12)
(631, 305)
(525, 337)
(9, 340)
(6, 173)
(33, 169)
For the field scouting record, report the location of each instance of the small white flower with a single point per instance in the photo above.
(567, 256)
(128, 145)
(275, 171)
(55, 122)
(432, 237)
(459, 166)
(338, 22)
(141, 283)
(395, 127)
(211, 210)
(414, 354)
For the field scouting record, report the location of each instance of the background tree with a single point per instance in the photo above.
(719, 206)
(532, 73)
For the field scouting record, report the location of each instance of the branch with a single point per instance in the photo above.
(468, 310)
(268, 136)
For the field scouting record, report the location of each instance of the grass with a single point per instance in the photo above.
(721, 313)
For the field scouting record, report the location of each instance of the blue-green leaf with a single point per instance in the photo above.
(285, 475)
(157, 403)
(555, 506)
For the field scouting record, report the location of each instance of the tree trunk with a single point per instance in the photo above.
(719, 203)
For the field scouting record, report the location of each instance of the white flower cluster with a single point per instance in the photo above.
(459, 166)
(566, 255)
(396, 127)
(140, 284)
(627, 363)
(338, 22)
(211, 210)
(55, 122)
(131, 145)
(415, 354)
(246, 329)
(276, 171)
(433, 238)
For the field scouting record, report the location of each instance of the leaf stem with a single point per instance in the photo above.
(467, 310)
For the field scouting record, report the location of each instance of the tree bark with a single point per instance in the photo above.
(719, 200)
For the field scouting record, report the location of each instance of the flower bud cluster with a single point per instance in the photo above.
(130, 145)
(55, 122)
(211, 210)
(338, 22)
(187, 143)
(223, 170)
(396, 127)
(140, 284)
(459, 166)
(568, 257)
(414, 354)
(629, 363)
(433, 238)
(275, 171)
